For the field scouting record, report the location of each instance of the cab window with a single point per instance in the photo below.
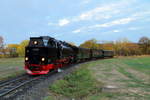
(51, 43)
(45, 42)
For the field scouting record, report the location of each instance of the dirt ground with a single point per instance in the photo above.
(121, 80)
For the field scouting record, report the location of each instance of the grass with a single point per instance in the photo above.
(76, 85)
(11, 67)
(140, 64)
(130, 74)
(137, 82)
(49, 98)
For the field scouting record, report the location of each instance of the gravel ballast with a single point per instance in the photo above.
(39, 89)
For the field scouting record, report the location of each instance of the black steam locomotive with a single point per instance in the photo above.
(46, 53)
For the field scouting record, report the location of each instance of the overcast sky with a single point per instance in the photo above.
(74, 20)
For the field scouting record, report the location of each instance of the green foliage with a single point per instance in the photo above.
(21, 48)
(77, 85)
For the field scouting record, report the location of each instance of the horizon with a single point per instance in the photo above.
(77, 22)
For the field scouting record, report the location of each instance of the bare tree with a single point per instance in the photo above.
(144, 43)
(2, 50)
(1, 42)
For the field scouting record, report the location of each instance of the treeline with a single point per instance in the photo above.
(122, 47)
(12, 50)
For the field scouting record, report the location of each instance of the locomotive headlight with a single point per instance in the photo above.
(43, 59)
(26, 58)
(35, 42)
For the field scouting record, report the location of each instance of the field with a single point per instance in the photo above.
(11, 67)
(126, 78)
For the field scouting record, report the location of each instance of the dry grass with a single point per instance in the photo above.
(11, 67)
(130, 76)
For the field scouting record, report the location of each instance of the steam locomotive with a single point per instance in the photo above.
(45, 53)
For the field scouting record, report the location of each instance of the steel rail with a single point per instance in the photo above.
(11, 81)
(13, 85)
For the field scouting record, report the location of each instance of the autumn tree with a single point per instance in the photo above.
(92, 44)
(21, 48)
(107, 46)
(124, 47)
(119, 46)
(13, 49)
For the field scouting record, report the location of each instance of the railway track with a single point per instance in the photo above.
(8, 87)
(12, 85)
